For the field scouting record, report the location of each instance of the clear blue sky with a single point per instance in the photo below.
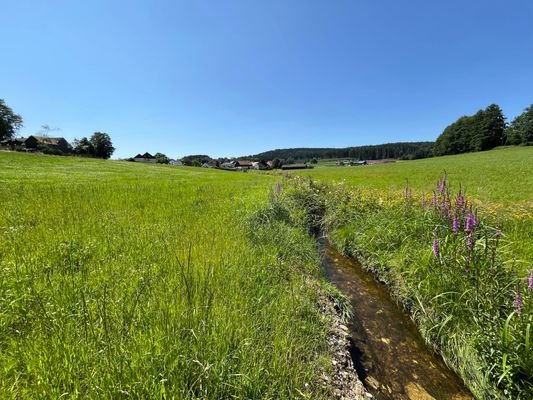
(238, 77)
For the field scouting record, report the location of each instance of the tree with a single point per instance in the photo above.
(161, 158)
(83, 146)
(9, 121)
(481, 131)
(276, 163)
(103, 147)
(520, 131)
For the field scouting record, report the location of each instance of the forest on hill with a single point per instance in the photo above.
(402, 150)
(485, 130)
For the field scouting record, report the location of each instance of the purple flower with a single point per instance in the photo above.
(530, 280)
(470, 241)
(498, 233)
(469, 224)
(436, 247)
(456, 225)
(518, 302)
(475, 221)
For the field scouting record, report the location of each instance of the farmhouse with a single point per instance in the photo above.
(175, 162)
(228, 165)
(260, 165)
(34, 142)
(146, 157)
(243, 164)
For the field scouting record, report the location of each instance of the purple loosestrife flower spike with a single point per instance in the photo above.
(530, 280)
(470, 241)
(468, 223)
(456, 225)
(475, 221)
(518, 302)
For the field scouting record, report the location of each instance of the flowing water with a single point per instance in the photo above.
(389, 354)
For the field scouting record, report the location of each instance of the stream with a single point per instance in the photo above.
(390, 356)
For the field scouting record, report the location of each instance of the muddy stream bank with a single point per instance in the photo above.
(389, 354)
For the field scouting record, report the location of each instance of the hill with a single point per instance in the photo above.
(400, 150)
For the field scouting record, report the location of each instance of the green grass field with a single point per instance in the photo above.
(122, 280)
(502, 176)
(499, 182)
(125, 280)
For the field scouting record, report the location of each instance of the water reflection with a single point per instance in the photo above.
(389, 354)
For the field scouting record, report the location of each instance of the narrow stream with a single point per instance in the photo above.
(389, 354)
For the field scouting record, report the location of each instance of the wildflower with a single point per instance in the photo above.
(530, 280)
(470, 241)
(498, 233)
(436, 248)
(518, 302)
(475, 221)
(456, 225)
(469, 224)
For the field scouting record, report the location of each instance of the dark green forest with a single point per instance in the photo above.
(404, 151)
(520, 130)
(482, 131)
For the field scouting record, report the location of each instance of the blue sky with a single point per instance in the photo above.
(238, 77)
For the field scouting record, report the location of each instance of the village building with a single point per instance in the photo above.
(146, 157)
(243, 164)
(36, 142)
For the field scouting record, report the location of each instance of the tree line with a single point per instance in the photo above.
(99, 145)
(485, 130)
(401, 150)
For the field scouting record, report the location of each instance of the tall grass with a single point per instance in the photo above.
(452, 268)
(132, 281)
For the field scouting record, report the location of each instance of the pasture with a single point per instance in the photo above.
(122, 280)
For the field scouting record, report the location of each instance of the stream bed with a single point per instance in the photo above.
(389, 354)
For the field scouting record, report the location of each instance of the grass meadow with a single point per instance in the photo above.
(121, 280)
(124, 280)
(457, 252)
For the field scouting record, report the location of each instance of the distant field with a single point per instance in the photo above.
(503, 176)
(123, 280)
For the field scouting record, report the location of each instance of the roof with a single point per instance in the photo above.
(244, 163)
(147, 155)
(54, 141)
